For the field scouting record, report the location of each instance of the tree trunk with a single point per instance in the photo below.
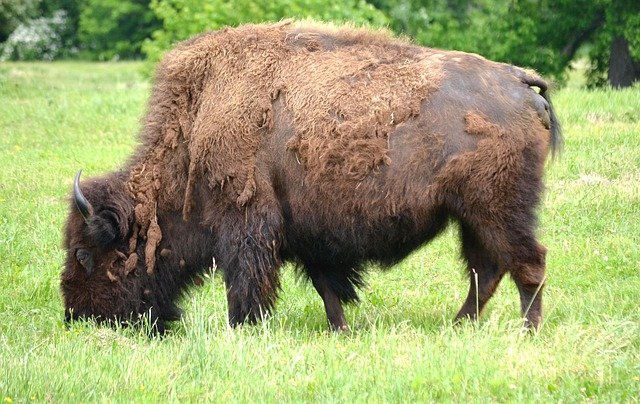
(623, 70)
(581, 37)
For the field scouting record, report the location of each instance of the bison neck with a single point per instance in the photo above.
(185, 251)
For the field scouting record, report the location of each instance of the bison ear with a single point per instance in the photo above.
(107, 227)
(109, 219)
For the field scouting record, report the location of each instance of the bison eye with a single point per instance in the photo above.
(85, 259)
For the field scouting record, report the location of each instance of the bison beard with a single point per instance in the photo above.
(329, 147)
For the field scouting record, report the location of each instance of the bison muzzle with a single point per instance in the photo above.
(329, 147)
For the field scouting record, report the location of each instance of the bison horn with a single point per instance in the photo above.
(83, 205)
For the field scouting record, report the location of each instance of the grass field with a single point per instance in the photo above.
(56, 118)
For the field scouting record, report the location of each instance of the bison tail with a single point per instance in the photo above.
(557, 140)
(531, 79)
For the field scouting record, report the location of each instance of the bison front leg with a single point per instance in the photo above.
(332, 303)
(250, 250)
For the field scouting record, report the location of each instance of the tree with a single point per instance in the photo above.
(615, 54)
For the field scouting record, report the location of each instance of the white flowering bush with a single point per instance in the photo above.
(36, 39)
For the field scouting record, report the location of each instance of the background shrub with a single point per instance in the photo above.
(36, 39)
(14, 13)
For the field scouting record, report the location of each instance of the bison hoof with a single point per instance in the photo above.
(339, 328)
(531, 325)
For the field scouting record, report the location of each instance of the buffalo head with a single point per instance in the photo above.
(103, 278)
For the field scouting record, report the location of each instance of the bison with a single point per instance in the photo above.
(331, 147)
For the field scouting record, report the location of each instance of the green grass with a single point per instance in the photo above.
(56, 118)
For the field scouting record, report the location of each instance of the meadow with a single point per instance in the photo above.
(58, 117)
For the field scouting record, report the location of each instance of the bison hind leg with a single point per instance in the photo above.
(491, 251)
(529, 277)
(484, 274)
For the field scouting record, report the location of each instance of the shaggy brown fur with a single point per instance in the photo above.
(225, 119)
(327, 146)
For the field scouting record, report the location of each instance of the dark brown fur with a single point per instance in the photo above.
(326, 146)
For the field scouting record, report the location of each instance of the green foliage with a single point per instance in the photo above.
(115, 28)
(503, 30)
(182, 19)
(72, 12)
